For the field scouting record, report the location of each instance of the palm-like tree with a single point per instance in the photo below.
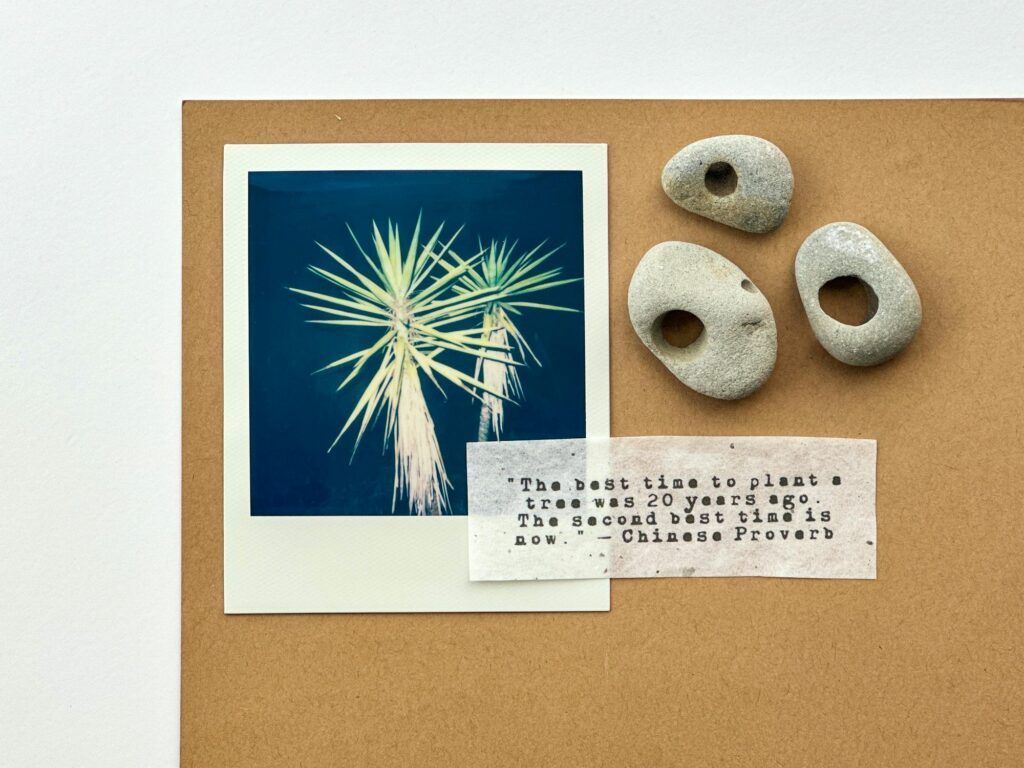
(503, 277)
(408, 296)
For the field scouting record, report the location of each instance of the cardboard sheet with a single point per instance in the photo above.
(919, 668)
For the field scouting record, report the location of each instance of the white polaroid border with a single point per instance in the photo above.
(386, 564)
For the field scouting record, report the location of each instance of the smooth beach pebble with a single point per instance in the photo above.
(842, 250)
(735, 352)
(741, 181)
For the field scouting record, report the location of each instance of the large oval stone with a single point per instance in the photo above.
(735, 353)
(743, 181)
(844, 249)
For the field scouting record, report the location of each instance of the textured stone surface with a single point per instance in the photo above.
(843, 249)
(735, 353)
(742, 181)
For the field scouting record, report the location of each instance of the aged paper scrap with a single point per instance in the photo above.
(797, 507)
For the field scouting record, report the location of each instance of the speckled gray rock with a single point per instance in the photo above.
(843, 249)
(735, 353)
(742, 181)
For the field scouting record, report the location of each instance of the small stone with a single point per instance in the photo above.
(843, 249)
(742, 181)
(735, 352)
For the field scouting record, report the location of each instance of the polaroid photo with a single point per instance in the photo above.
(385, 305)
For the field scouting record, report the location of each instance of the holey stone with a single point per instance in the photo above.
(742, 181)
(843, 249)
(735, 353)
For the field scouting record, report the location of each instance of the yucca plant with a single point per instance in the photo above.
(406, 293)
(498, 273)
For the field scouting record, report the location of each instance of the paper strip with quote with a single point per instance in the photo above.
(799, 507)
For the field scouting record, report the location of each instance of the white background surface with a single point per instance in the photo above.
(90, 98)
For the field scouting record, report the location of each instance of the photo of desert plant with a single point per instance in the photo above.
(423, 323)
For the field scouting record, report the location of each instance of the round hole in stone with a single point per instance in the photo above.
(848, 299)
(720, 179)
(680, 328)
(748, 286)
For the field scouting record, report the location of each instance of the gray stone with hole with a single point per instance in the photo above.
(742, 181)
(735, 353)
(844, 249)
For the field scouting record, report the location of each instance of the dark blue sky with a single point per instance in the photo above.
(294, 416)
